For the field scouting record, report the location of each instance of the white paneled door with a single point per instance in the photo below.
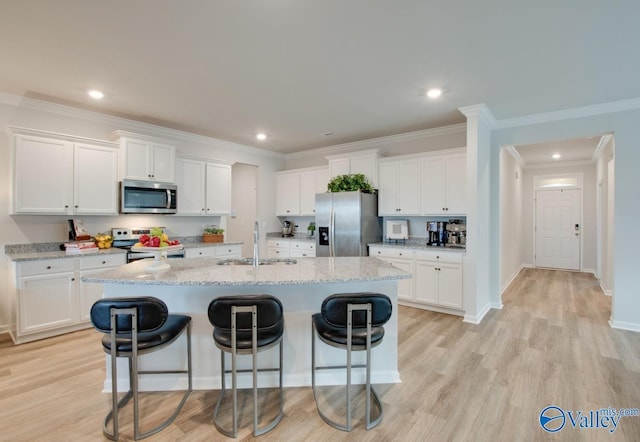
(558, 229)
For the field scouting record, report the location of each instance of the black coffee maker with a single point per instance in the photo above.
(436, 233)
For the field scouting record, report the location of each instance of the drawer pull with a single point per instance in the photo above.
(48, 267)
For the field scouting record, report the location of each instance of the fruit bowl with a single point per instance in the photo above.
(159, 262)
(103, 241)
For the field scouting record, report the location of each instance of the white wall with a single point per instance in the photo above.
(20, 229)
(620, 119)
(589, 223)
(604, 208)
(448, 137)
(511, 206)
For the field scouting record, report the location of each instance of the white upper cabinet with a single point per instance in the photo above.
(399, 187)
(433, 194)
(204, 188)
(312, 182)
(146, 159)
(296, 190)
(95, 175)
(457, 184)
(191, 182)
(63, 176)
(364, 162)
(218, 189)
(444, 185)
(287, 193)
(432, 183)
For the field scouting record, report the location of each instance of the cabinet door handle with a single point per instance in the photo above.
(73, 279)
(48, 267)
(66, 206)
(104, 262)
(76, 206)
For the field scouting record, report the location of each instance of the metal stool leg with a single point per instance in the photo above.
(370, 391)
(254, 353)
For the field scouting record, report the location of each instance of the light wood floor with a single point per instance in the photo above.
(550, 345)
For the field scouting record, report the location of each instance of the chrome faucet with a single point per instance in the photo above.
(256, 261)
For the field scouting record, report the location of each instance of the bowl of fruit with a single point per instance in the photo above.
(157, 240)
(103, 240)
(159, 244)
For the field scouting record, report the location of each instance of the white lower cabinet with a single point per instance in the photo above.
(222, 250)
(50, 299)
(437, 277)
(290, 248)
(302, 249)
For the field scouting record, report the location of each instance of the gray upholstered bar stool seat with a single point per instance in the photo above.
(246, 325)
(354, 322)
(134, 327)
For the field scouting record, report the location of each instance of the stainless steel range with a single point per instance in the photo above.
(126, 237)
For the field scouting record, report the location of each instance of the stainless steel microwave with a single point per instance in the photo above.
(148, 197)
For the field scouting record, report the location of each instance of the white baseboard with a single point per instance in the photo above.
(511, 278)
(621, 325)
(477, 319)
(605, 290)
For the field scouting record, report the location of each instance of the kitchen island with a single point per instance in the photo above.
(191, 284)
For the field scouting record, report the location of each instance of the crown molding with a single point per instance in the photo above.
(124, 124)
(17, 130)
(480, 111)
(560, 164)
(515, 154)
(602, 144)
(377, 142)
(576, 112)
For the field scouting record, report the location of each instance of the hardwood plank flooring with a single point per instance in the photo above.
(550, 345)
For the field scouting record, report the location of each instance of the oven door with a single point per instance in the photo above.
(137, 256)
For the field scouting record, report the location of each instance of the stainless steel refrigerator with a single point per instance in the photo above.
(346, 222)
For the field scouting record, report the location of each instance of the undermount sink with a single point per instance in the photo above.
(262, 261)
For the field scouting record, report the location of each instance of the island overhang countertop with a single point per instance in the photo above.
(190, 284)
(209, 272)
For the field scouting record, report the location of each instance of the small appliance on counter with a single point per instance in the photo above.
(287, 229)
(456, 234)
(436, 233)
(397, 230)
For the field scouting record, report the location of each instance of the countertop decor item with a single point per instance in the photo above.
(213, 234)
(350, 183)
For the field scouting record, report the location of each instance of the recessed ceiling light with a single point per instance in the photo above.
(261, 136)
(434, 93)
(94, 93)
(555, 156)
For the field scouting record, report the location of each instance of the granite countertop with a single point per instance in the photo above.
(420, 244)
(39, 251)
(206, 272)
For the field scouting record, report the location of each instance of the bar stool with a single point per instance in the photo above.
(242, 325)
(354, 322)
(134, 327)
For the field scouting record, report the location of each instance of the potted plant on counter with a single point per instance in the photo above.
(213, 234)
(350, 183)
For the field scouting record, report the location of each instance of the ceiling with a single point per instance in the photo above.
(578, 150)
(297, 70)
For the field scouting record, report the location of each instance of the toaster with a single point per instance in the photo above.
(397, 229)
